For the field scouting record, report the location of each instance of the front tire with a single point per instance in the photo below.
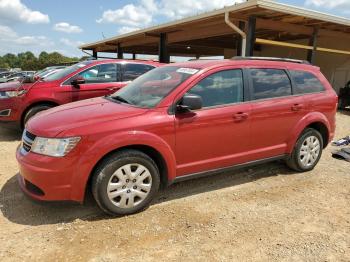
(307, 151)
(125, 182)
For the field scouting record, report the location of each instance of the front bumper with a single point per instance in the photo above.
(46, 178)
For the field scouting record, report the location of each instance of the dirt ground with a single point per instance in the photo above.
(265, 213)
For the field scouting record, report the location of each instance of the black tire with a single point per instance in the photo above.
(33, 111)
(104, 172)
(294, 161)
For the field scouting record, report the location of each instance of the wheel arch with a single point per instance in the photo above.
(314, 120)
(152, 145)
(146, 149)
(37, 103)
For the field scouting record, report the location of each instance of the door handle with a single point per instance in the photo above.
(240, 117)
(111, 88)
(297, 107)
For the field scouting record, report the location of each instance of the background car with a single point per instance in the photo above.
(81, 81)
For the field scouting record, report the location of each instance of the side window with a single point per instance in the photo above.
(270, 83)
(100, 74)
(133, 71)
(306, 82)
(225, 87)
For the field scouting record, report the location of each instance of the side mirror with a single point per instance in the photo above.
(190, 102)
(78, 81)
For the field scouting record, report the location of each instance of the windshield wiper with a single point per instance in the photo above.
(120, 99)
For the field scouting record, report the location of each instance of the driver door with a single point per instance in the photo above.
(218, 135)
(99, 80)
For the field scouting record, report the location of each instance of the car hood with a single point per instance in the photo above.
(10, 86)
(91, 112)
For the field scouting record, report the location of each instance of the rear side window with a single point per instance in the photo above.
(133, 71)
(306, 82)
(225, 87)
(270, 83)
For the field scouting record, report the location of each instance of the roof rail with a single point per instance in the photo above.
(272, 59)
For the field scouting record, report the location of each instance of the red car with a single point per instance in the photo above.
(174, 123)
(18, 103)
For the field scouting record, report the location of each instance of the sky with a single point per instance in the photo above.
(63, 25)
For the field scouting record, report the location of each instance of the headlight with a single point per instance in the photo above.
(56, 147)
(9, 94)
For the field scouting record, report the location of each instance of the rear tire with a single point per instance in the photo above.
(307, 151)
(125, 182)
(33, 111)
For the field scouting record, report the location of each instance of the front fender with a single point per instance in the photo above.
(307, 120)
(102, 146)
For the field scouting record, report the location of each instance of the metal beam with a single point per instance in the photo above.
(313, 42)
(251, 36)
(164, 56)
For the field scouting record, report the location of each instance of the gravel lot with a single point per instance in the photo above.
(265, 213)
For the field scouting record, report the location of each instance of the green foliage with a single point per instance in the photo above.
(29, 62)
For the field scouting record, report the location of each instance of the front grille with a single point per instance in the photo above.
(27, 140)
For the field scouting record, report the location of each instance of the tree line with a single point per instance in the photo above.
(29, 62)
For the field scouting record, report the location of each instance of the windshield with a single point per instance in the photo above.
(67, 71)
(151, 88)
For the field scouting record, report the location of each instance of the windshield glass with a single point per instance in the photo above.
(67, 71)
(151, 88)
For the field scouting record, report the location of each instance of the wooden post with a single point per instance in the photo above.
(164, 56)
(311, 54)
(251, 36)
(94, 54)
(120, 52)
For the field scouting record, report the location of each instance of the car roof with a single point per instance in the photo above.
(210, 64)
(146, 62)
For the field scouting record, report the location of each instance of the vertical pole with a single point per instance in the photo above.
(94, 54)
(198, 56)
(133, 56)
(311, 54)
(251, 36)
(164, 56)
(120, 52)
(239, 43)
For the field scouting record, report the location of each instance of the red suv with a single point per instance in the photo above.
(174, 123)
(18, 103)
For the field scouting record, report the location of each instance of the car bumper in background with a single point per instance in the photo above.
(9, 110)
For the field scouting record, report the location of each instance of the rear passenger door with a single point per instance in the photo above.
(131, 71)
(275, 111)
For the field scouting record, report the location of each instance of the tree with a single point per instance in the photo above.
(28, 61)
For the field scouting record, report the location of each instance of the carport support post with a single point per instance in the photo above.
(251, 36)
(311, 54)
(164, 56)
(133, 56)
(241, 25)
(120, 52)
(94, 54)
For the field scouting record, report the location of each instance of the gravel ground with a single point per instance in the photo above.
(265, 213)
